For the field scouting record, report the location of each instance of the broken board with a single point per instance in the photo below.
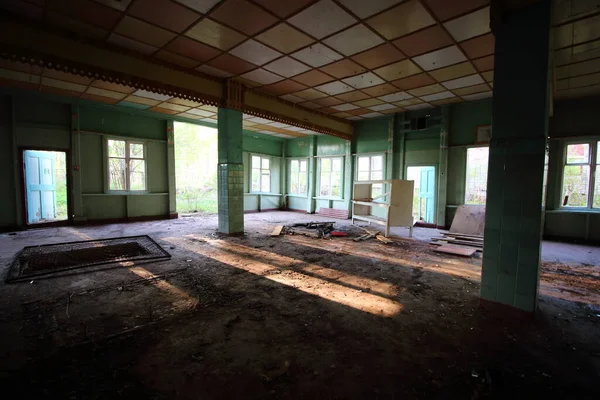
(469, 220)
(456, 250)
(277, 230)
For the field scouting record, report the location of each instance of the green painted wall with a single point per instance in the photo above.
(8, 209)
(299, 147)
(371, 135)
(263, 144)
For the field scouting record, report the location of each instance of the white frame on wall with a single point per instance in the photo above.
(261, 156)
(127, 159)
(342, 170)
(289, 175)
(593, 162)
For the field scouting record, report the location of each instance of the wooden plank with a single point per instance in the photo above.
(277, 230)
(463, 235)
(460, 242)
(469, 220)
(456, 250)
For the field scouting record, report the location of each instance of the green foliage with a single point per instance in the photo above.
(196, 157)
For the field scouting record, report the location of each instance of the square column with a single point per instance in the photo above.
(230, 172)
(513, 224)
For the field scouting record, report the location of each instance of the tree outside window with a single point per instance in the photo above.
(578, 187)
(126, 165)
(298, 176)
(330, 182)
(261, 174)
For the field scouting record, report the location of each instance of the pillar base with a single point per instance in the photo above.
(505, 311)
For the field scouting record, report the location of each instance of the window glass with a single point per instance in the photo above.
(116, 148)
(116, 178)
(261, 174)
(476, 178)
(578, 153)
(136, 150)
(576, 179)
(137, 174)
(330, 179)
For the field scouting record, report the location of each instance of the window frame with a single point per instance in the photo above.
(467, 173)
(331, 196)
(289, 182)
(593, 163)
(260, 168)
(370, 156)
(127, 159)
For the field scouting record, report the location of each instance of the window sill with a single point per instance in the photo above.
(329, 198)
(262, 194)
(575, 210)
(301, 196)
(126, 194)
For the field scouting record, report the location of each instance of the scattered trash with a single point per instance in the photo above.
(339, 234)
(120, 288)
(474, 374)
(188, 260)
(311, 229)
(31, 283)
(277, 230)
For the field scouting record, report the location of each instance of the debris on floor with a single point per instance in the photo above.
(373, 234)
(456, 250)
(321, 230)
(468, 242)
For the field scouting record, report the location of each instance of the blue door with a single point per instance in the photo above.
(427, 194)
(40, 186)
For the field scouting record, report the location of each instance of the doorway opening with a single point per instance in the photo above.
(424, 196)
(45, 175)
(196, 158)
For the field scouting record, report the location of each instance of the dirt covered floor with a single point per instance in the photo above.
(289, 317)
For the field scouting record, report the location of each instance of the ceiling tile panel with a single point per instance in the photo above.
(398, 70)
(342, 115)
(55, 83)
(99, 99)
(471, 25)
(22, 8)
(485, 63)
(141, 100)
(586, 29)
(65, 76)
(440, 58)
(381, 90)
(423, 106)
(585, 67)
(214, 34)
(162, 110)
(243, 16)
(190, 116)
(405, 18)
(173, 107)
(471, 89)
(86, 11)
(231, 64)
(449, 100)
(292, 98)
(442, 10)
(165, 13)
(452, 72)
(359, 111)
(329, 101)
(192, 49)
(364, 8)
(317, 55)
(255, 52)
(351, 97)
(334, 88)
(19, 66)
(112, 87)
(313, 78)
(143, 32)
(105, 93)
(479, 46)
(477, 96)
(372, 115)
(368, 102)
(284, 8)
(427, 90)
(345, 107)
(202, 113)
(381, 55)
(395, 97)
(184, 102)
(343, 69)
(284, 38)
(382, 107)
(131, 44)
(136, 106)
(310, 94)
(75, 26)
(202, 6)
(563, 36)
(424, 41)
(322, 19)
(311, 105)
(287, 67)
(488, 76)
(437, 96)
(365, 80)
(470, 80)
(414, 81)
(284, 87)
(353, 40)
(176, 59)
(409, 102)
(214, 72)
(151, 95)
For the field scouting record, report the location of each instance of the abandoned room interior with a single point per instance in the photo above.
(269, 199)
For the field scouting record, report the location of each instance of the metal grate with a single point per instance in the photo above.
(35, 261)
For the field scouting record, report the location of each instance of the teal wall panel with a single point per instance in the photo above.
(120, 123)
(464, 119)
(371, 135)
(330, 146)
(8, 209)
(91, 163)
(257, 143)
(299, 147)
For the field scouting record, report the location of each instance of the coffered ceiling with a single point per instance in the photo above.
(350, 59)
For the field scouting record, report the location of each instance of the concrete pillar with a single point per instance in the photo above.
(312, 177)
(442, 186)
(511, 256)
(230, 172)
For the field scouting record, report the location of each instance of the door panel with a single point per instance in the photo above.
(40, 186)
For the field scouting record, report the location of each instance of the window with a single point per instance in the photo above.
(370, 168)
(261, 174)
(298, 169)
(331, 177)
(579, 189)
(476, 179)
(126, 165)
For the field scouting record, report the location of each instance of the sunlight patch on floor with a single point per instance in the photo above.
(276, 268)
